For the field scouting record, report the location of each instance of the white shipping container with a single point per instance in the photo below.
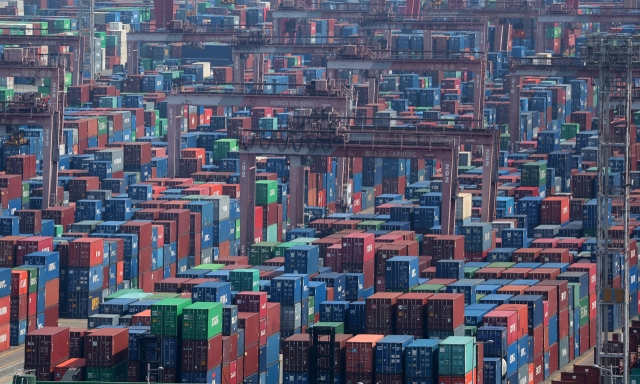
(6, 82)
(206, 69)
(115, 26)
(463, 206)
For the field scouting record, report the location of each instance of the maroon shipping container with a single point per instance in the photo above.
(538, 368)
(538, 335)
(170, 285)
(555, 255)
(410, 315)
(13, 185)
(44, 373)
(181, 217)
(389, 379)
(195, 220)
(489, 273)
(137, 153)
(64, 216)
(51, 315)
(367, 269)
(563, 324)
(250, 322)
(445, 311)
(170, 230)
(273, 318)
(553, 358)
(355, 378)
(516, 273)
(142, 229)
(86, 252)
(295, 353)
(360, 353)
(358, 247)
(33, 244)
(30, 221)
(255, 302)
(447, 248)
(79, 186)
(549, 293)
(46, 347)
(8, 250)
(19, 306)
(526, 255)
(544, 273)
(201, 355)
(251, 359)
(229, 348)
(562, 287)
(76, 342)
(106, 347)
(381, 312)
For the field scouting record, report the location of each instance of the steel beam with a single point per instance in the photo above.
(318, 14)
(281, 49)
(340, 103)
(247, 200)
(174, 136)
(170, 37)
(296, 192)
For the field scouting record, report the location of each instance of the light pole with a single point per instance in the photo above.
(607, 370)
(149, 370)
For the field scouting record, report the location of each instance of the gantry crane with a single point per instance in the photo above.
(46, 114)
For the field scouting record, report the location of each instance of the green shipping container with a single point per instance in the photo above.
(201, 321)
(504, 264)
(266, 192)
(166, 316)
(245, 280)
(435, 288)
(222, 146)
(282, 247)
(569, 130)
(162, 296)
(116, 373)
(456, 355)
(576, 298)
(504, 141)
(469, 272)
(25, 193)
(338, 327)
(312, 311)
(237, 229)
(108, 102)
(584, 311)
(260, 252)
(122, 292)
(534, 174)
(209, 267)
(103, 125)
(58, 230)
(7, 94)
(370, 225)
(272, 232)
(470, 331)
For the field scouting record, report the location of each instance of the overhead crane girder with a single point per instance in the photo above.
(249, 149)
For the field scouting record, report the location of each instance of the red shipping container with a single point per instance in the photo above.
(170, 231)
(142, 319)
(51, 316)
(523, 313)
(466, 379)
(508, 319)
(538, 369)
(553, 358)
(33, 244)
(181, 216)
(549, 293)
(410, 315)
(255, 302)
(106, 347)
(19, 283)
(31, 324)
(86, 252)
(263, 332)
(555, 255)
(18, 307)
(273, 318)
(545, 307)
(358, 247)
(250, 322)
(61, 369)
(229, 348)
(13, 185)
(47, 346)
(554, 210)
(32, 304)
(229, 373)
(544, 273)
(251, 359)
(360, 353)
(201, 355)
(538, 334)
(51, 293)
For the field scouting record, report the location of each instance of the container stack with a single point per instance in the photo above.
(45, 348)
(84, 277)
